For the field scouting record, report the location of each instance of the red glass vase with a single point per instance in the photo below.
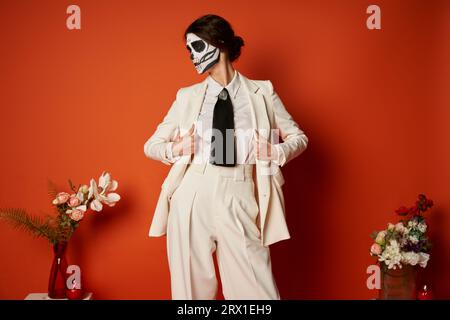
(58, 276)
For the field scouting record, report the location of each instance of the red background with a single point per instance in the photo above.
(374, 104)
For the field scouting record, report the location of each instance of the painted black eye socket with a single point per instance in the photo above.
(198, 45)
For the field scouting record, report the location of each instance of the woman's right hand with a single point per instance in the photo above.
(184, 145)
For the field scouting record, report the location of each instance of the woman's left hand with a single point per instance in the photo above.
(264, 149)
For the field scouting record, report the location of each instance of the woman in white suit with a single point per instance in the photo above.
(223, 193)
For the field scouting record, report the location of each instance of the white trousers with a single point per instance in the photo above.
(214, 209)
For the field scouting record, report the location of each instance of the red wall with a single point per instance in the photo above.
(374, 105)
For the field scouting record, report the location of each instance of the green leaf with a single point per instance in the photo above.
(72, 187)
(34, 225)
(52, 189)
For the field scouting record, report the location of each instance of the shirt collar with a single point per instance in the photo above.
(215, 88)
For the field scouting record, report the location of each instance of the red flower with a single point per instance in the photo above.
(423, 203)
(414, 210)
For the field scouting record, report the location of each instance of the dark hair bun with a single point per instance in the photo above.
(235, 48)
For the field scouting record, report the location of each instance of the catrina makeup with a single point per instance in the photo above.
(203, 54)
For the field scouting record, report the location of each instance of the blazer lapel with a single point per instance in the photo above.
(260, 119)
(193, 107)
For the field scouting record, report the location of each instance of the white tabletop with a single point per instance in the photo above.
(44, 296)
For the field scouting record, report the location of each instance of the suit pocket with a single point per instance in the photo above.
(177, 189)
(174, 192)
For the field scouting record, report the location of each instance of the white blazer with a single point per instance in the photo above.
(266, 115)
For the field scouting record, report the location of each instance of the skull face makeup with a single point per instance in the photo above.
(203, 54)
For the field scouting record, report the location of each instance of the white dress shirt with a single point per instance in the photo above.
(242, 125)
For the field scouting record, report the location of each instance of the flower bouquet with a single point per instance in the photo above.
(71, 208)
(401, 248)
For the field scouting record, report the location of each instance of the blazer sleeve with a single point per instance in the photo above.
(156, 146)
(295, 140)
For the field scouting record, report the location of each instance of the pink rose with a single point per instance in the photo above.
(74, 201)
(61, 198)
(77, 214)
(375, 249)
(399, 227)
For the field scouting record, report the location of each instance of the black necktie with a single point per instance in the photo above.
(223, 152)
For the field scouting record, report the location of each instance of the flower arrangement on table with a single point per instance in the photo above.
(71, 208)
(400, 250)
(404, 243)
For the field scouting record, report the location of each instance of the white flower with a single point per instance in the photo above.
(81, 195)
(422, 227)
(410, 257)
(413, 239)
(412, 223)
(391, 227)
(423, 259)
(102, 193)
(391, 255)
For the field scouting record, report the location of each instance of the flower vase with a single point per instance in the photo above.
(58, 276)
(399, 283)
